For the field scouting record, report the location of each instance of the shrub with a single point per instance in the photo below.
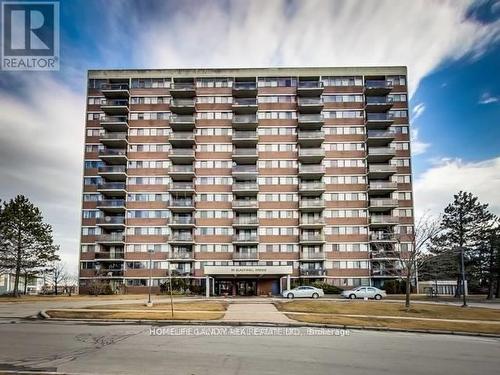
(327, 288)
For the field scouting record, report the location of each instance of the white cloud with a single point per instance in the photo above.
(419, 34)
(417, 146)
(487, 98)
(435, 187)
(41, 155)
(418, 110)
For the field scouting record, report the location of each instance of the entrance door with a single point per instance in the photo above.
(246, 288)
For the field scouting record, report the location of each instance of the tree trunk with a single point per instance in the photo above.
(497, 294)
(408, 290)
(25, 283)
(18, 265)
(55, 287)
(491, 270)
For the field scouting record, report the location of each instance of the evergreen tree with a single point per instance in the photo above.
(25, 240)
(465, 224)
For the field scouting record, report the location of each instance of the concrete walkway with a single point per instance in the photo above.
(255, 312)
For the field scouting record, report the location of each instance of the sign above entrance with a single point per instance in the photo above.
(248, 270)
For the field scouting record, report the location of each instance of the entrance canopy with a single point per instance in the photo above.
(247, 270)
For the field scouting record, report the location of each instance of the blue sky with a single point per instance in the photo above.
(451, 48)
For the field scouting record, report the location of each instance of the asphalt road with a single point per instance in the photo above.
(131, 349)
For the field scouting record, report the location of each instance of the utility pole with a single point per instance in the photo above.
(462, 261)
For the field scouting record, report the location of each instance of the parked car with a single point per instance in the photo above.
(364, 291)
(303, 291)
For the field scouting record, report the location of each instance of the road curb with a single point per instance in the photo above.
(43, 315)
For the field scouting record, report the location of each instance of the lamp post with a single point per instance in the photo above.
(170, 287)
(150, 251)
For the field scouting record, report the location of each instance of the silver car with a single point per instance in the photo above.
(303, 291)
(364, 292)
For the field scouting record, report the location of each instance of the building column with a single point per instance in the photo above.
(287, 282)
(207, 286)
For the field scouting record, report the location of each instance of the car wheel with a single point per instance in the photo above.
(378, 296)
(290, 296)
(352, 296)
(315, 295)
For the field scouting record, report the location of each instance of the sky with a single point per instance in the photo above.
(451, 49)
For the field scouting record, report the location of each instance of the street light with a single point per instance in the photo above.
(150, 251)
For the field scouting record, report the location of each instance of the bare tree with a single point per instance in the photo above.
(426, 228)
(58, 275)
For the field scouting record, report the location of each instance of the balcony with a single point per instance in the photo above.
(312, 272)
(312, 255)
(109, 255)
(390, 254)
(314, 138)
(312, 222)
(383, 220)
(378, 103)
(380, 137)
(181, 272)
(309, 88)
(311, 188)
(245, 89)
(383, 237)
(182, 89)
(245, 239)
(181, 205)
(181, 172)
(310, 105)
(245, 205)
(311, 121)
(182, 122)
(252, 255)
(115, 106)
(182, 106)
(182, 255)
(381, 171)
(311, 171)
(113, 172)
(182, 222)
(115, 189)
(379, 120)
(386, 268)
(181, 188)
(114, 123)
(113, 155)
(245, 138)
(312, 238)
(111, 205)
(380, 154)
(109, 272)
(381, 187)
(114, 139)
(181, 155)
(311, 155)
(245, 122)
(244, 105)
(246, 221)
(245, 155)
(245, 188)
(115, 90)
(311, 205)
(181, 238)
(377, 87)
(111, 238)
(111, 222)
(181, 139)
(381, 204)
(245, 172)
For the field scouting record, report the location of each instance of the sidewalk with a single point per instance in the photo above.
(255, 312)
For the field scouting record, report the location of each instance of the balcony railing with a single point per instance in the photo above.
(312, 186)
(245, 86)
(113, 237)
(384, 219)
(385, 254)
(244, 102)
(379, 117)
(375, 151)
(181, 136)
(244, 256)
(181, 255)
(113, 152)
(109, 255)
(377, 83)
(242, 135)
(245, 203)
(382, 168)
(312, 221)
(311, 152)
(182, 168)
(245, 151)
(182, 237)
(312, 272)
(182, 220)
(383, 185)
(311, 118)
(114, 103)
(111, 186)
(182, 86)
(311, 135)
(306, 255)
(244, 169)
(382, 236)
(113, 136)
(308, 203)
(182, 102)
(312, 237)
(181, 186)
(182, 119)
(245, 186)
(245, 119)
(310, 85)
(112, 169)
(310, 101)
(252, 220)
(182, 152)
(112, 119)
(114, 86)
(181, 203)
(245, 238)
(111, 203)
(381, 134)
(111, 220)
(378, 100)
(383, 202)
(306, 168)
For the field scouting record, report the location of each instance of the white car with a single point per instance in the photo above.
(364, 291)
(303, 291)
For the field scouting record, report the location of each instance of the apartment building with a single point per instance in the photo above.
(245, 180)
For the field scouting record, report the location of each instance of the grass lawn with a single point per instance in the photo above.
(332, 312)
(136, 315)
(178, 306)
(374, 308)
